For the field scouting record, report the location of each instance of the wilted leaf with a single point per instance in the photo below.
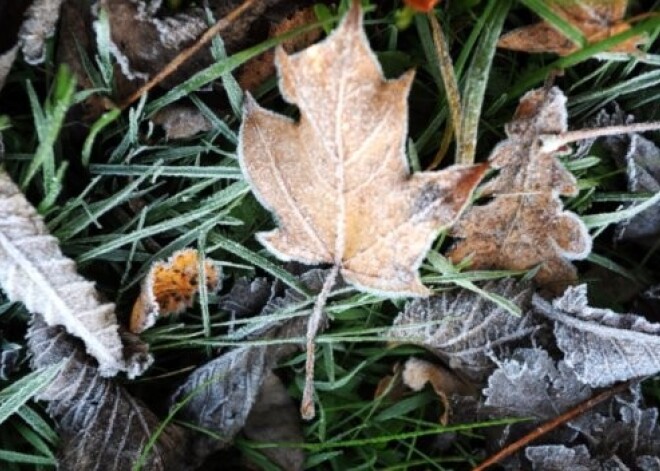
(531, 384)
(247, 297)
(6, 61)
(524, 225)
(220, 394)
(464, 328)
(180, 121)
(417, 373)
(641, 160)
(101, 426)
(561, 458)
(603, 347)
(338, 180)
(170, 287)
(34, 271)
(39, 25)
(595, 19)
(9, 354)
(274, 418)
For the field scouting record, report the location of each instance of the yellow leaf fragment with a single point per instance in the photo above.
(170, 288)
(596, 19)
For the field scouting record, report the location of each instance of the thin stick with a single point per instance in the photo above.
(576, 411)
(307, 410)
(552, 142)
(187, 53)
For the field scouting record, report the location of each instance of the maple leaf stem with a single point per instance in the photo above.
(307, 407)
(552, 142)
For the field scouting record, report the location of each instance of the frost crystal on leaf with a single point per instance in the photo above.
(101, 426)
(35, 272)
(338, 181)
(561, 458)
(464, 328)
(603, 347)
(524, 224)
(531, 384)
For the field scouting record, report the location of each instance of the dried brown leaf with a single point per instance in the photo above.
(417, 373)
(524, 224)
(338, 180)
(170, 287)
(34, 271)
(596, 19)
(181, 121)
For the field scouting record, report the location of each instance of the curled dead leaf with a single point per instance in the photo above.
(170, 287)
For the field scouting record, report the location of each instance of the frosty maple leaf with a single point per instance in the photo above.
(524, 225)
(595, 19)
(337, 180)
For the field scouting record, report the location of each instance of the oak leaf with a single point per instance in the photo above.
(524, 225)
(595, 19)
(337, 180)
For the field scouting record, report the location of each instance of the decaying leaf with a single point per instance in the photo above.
(170, 287)
(274, 418)
(9, 354)
(603, 347)
(181, 121)
(560, 458)
(220, 394)
(101, 426)
(524, 225)
(337, 180)
(38, 26)
(465, 329)
(620, 435)
(641, 160)
(6, 61)
(417, 373)
(35, 272)
(531, 384)
(595, 19)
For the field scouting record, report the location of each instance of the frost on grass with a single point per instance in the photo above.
(101, 426)
(220, 395)
(602, 346)
(465, 329)
(34, 271)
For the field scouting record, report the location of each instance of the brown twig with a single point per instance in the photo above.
(570, 414)
(187, 53)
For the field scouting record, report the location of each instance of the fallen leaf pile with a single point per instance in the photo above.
(345, 203)
(524, 225)
(595, 19)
